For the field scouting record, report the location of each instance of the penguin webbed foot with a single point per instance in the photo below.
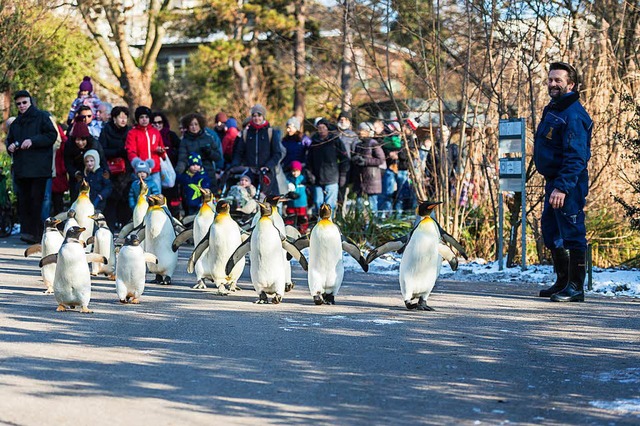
(166, 280)
(289, 286)
(276, 299)
(135, 301)
(422, 305)
(410, 306)
(61, 308)
(157, 279)
(85, 310)
(262, 299)
(329, 298)
(318, 300)
(222, 290)
(49, 290)
(200, 285)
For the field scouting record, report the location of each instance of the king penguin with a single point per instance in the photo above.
(215, 249)
(265, 245)
(326, 267)
(103, 245)
(139, 211)
(72, 281)
(131, 268)
(51, 242)
(84, 210)
(159, 234)
(200, 229)
(421, 258)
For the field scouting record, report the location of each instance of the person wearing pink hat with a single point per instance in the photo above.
(85, 97)
(296, 211)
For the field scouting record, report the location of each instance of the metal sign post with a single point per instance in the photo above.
(511, 156)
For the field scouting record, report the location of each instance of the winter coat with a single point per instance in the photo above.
(326, 160)
(113, 139)
(256, 150)
(296, 146)
(74, 156)
(368, 177)
(228, 143)
(134, 191)
(349, 138)
(90, 100)
(171, 142)
(201, 143)
(189, 184)
(100, 187)
(298, 186)
(37, 161)
(562, 144)
(143, 143)
(60, 182)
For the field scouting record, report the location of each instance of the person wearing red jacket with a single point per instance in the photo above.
(60, 182)
(144, 142)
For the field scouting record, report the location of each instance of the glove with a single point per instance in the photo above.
(358, 160)
(293, 195)
(106, 174)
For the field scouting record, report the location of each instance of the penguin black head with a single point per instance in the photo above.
(51, 222)
(132, 240)
(223, 207)
(152, 200)
(265, 210)
(160, 200)
(273, 200)
(74, 232)
(207, 195)
(97, 215)
(71, 214)
(84, 186)
(425, 207)
(325, 211)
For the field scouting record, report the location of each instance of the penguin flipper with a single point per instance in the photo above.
(91, 240)
(448, 255)
(126, 230)
(240, 252)
(95, 257)
(181, 239)
(393, 245)
(61, 216)
(188, 220)
(197, 252)
(36, 248)
(47, 260)
(302, 243)
(449, 239)
(150, 257)
(354, 251)
(292, 233)
(297, 254)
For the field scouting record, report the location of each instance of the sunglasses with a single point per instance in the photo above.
(158, 122)
(22, 103)
(84, 117)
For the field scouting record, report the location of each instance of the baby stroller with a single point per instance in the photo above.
(6, 208)
(243, 201)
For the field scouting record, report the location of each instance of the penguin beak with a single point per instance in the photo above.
(425, 207)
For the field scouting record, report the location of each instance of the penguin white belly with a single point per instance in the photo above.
(200, 228)
(326, 268)
(159, 236)
(51, 243)
(224, 239)
(420, 264)
(139, 212)
(130, 272)
(103, 244)
(267, 257)
(72, 282)
(84, 208)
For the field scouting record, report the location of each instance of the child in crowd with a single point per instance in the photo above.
(242, 196)
(98, 181)
(85, 97)
(191, 181)
(142, 170)
(296, 212)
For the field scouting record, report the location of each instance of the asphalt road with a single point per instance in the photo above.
(490, 354)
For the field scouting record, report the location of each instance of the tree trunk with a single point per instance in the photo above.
(299, 54)
(347, 58)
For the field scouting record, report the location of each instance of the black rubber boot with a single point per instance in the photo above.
(561, 265)
(574, 290)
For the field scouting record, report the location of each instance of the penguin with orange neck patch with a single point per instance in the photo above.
(326, 267)
(421, 258)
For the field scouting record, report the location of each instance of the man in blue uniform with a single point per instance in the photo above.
(561, 151)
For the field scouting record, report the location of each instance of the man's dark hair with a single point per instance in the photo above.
(573, 74)
(116, 111)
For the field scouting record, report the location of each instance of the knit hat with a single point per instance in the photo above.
(142, 166)
(221, 117)
(345, 114)
(21, 94)
(86, 85)
(232, 122)
(96, 157)
(325, 122)
(80, 130)
(296, 165)
(194, 158)
(365, 126)
(142, 110)
(259, 109)
(293, 122)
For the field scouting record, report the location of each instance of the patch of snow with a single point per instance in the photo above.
(628, 375)
(627, 406)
